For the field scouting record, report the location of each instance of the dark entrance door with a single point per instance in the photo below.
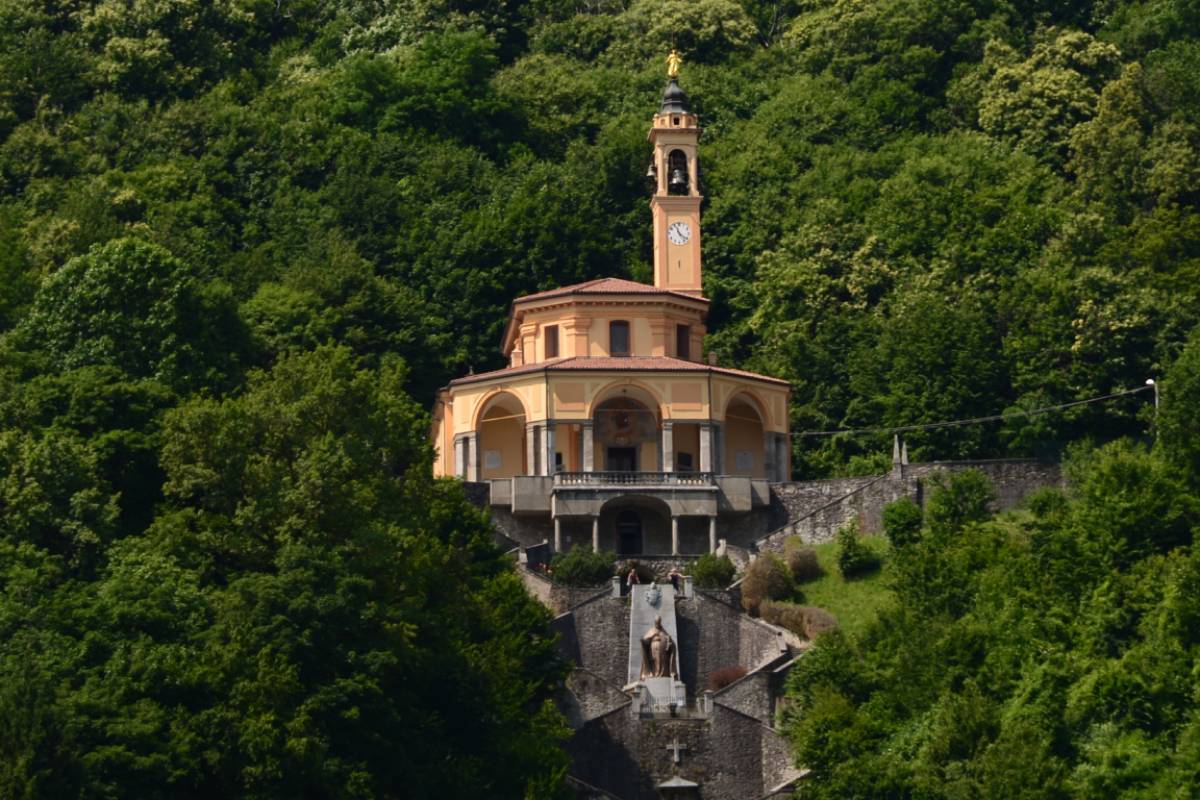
(621, 459)
(629, 532)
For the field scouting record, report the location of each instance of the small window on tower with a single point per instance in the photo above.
(618, 338)
(551, 341)
(683, 342)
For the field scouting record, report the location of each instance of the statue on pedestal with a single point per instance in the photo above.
(658, 653)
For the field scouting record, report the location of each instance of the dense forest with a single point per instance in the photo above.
(242, 242)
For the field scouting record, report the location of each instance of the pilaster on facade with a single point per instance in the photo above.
(668, 446)
(659, 332)
(528, 333)
(588, 432)
(575, 335)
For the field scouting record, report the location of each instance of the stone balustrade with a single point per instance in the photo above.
(633, 479)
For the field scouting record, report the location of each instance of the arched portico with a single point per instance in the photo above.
(744, 437)
(500, 425)
(633, 525)
(627, 430)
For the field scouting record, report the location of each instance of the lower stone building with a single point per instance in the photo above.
(630, 742)
(708, 744)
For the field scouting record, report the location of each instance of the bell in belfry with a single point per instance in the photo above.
(678, 182)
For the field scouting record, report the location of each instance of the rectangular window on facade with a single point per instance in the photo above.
(684, 463)
(618, 338)
(551, 341)
(683, 342)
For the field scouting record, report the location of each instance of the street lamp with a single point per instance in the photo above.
(1150, 382)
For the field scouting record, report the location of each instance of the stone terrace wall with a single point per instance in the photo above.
(1013, 479)
(865, 498)
(731, 755)
(595, 636)
(751, 695)
(554, 596)
(713, 635)
(587, 696)
(801, 498)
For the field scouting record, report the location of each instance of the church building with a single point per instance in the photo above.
(608, 425)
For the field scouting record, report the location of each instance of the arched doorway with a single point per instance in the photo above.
(744, 439)
(629, 533)
(501, 429)
(627, 434)
(634, 524)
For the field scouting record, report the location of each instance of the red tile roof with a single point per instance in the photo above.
(624, 364)
(605, 286)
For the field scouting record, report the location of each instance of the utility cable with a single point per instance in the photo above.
(977, 420)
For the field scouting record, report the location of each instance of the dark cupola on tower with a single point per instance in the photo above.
(674, 101)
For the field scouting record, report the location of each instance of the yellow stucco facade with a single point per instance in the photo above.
(609, 376)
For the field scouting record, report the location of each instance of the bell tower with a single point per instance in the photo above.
(675, 204)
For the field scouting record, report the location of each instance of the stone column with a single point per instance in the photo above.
(712, 534)
(460, 457)
(589, 446)
(769, 456)
(531, 449)
(668, 446)
(596, 534)
(558, 534)
(720, 454)
(706, 447)
(474, 462)
(674, 535)
(548, 440)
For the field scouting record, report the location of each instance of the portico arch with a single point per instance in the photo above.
(635, 390)
(632, 525)
(745, 425)
(500, 424)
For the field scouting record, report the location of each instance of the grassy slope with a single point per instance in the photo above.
(853, 602)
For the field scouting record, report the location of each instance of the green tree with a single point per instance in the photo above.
(902, 522)
(957, 499)
(131, 305)
(1036, 101)
(1177, 422)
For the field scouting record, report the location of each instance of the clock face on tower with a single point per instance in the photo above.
(679, 232)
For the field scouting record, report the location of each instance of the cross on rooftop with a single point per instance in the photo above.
(676, 748)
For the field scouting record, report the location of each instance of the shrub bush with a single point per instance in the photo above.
(581, 567)
(902, 522)
(854, 557)
(801, 559)
(720, 678)
(958, 499)
(806, 621)
(766, 579)
(713, 572)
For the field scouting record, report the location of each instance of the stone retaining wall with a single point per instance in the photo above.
(816, 510)
(556, 597)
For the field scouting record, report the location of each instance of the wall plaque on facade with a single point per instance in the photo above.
(491, 459)
(744, 460)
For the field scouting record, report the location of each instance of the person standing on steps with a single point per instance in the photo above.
(674, 577)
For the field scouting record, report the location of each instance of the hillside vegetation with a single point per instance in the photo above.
(242, 243)
(1048, 654)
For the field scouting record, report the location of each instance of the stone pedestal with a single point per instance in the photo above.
(661, 694)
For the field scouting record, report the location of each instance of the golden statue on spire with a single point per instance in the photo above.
(673, 62)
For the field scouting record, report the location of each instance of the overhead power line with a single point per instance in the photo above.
(954, 423)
